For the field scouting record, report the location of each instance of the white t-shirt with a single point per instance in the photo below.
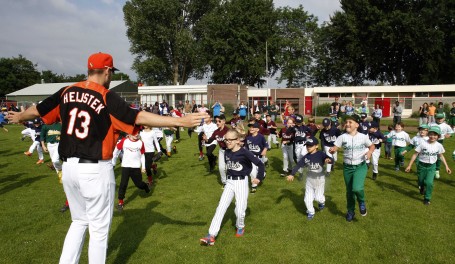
(133, 153)
(428, 152)
(208, 130)
(158, 132)
(399, 139)
(150, 141)
(353, 147)
(417, 140)
(445, 129)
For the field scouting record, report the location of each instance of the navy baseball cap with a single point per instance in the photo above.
(36, 121)
(326, 122)
(374, 124)
(311, 141)
(254, 125)
(354, 118)
(298, 118)
(363, 115)
(257, 112)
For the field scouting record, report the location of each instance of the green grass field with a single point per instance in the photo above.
(165, 225)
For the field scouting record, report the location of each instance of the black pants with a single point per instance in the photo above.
(210, 156)
(396, 119)
(199, 141)
(177, 133)
(148, 162)
(136, 176)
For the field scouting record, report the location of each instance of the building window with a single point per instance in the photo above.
(421, 94)
(436, 94)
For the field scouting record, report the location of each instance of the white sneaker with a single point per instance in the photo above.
(436, 174)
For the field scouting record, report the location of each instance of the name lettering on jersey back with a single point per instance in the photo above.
(86, 98)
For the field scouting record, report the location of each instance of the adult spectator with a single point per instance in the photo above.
(273, 110)
(423, 114)
(155, 108)
(336, 103)
(431, 113)
(377, 115)
(342, 110)
(255, 108)
(146, 108)
(242, 110)
(216, 108)
(202, 109)
(180, 106)
(397, 110)
(195, 107)
(164, 108)
(89, 132)
(187, 108)
(363, 108)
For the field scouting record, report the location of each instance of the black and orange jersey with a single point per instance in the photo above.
(91, 116)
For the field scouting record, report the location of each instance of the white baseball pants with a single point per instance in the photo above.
(375, 159)
(334, 156)
(288, 154)
(314, 190)
(239, 190)
(222, 165)
(28, 132)
(37, 145)
(169, 140)
(90, 189)
(254, 172)
(55, 157)
(271, 138)
(300, 151)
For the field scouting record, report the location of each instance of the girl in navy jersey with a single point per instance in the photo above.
(315, 181)
(239, 163)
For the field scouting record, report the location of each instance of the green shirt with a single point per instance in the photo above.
(51, 133)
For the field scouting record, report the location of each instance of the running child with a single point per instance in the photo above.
(287, 141)
(239, 163)
(36, 136)
(132, 161)
(428, 152)
(388, 143)
(328, 136)
(148, 136)
(446, 132)
(376, 138)
(257, 145)
(355, 168)
(271, 126)
(399, 141)
(315, 181)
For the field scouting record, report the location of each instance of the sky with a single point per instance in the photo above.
(59, 35)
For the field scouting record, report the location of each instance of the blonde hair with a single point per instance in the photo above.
(240, 129)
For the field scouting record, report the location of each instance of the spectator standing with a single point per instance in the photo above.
(216, 108)
(195, 107)
(377, 115)
(431, 113)
(273, 110)
(397, 110)
(423, 114)
(155, 109)
(242, 110)
(187, 108)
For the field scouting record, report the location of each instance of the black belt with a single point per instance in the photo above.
(300, 142)
(236, 177)
(82, 160)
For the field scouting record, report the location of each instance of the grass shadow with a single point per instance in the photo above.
(20, 184)
(297, 200)
(332, 207)
(133, 229)
(276, 164)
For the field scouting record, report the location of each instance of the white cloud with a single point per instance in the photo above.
(59, 35)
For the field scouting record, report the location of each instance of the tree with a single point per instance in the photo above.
(162, 37)
(395, 42)
(296, 29)
(234, 40)
(17, 73)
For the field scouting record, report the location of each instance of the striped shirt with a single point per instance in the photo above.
(399, 139)
(354, 147)
(428, 152)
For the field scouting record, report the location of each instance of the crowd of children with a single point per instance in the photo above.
(242, 155)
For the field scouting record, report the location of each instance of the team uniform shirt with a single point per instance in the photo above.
(287, 134)
(416, 141)
(240, 163)
(234, 121)
(315, 163)
(269, 127)
(364, 127)
(445, 129)
(354, 147)
(377, 138)
(51, 133)
(256, 144)
(150, 141)
(218, 135)
(208, 130)
(133, 153)
(428, 152)
(301, 133)
(313, 128)
(37, 133)
(399, 139)
(94, 117)
(328, 137)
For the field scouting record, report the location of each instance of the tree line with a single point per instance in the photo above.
(402, 42)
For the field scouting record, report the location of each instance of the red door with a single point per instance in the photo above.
(308, 105)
